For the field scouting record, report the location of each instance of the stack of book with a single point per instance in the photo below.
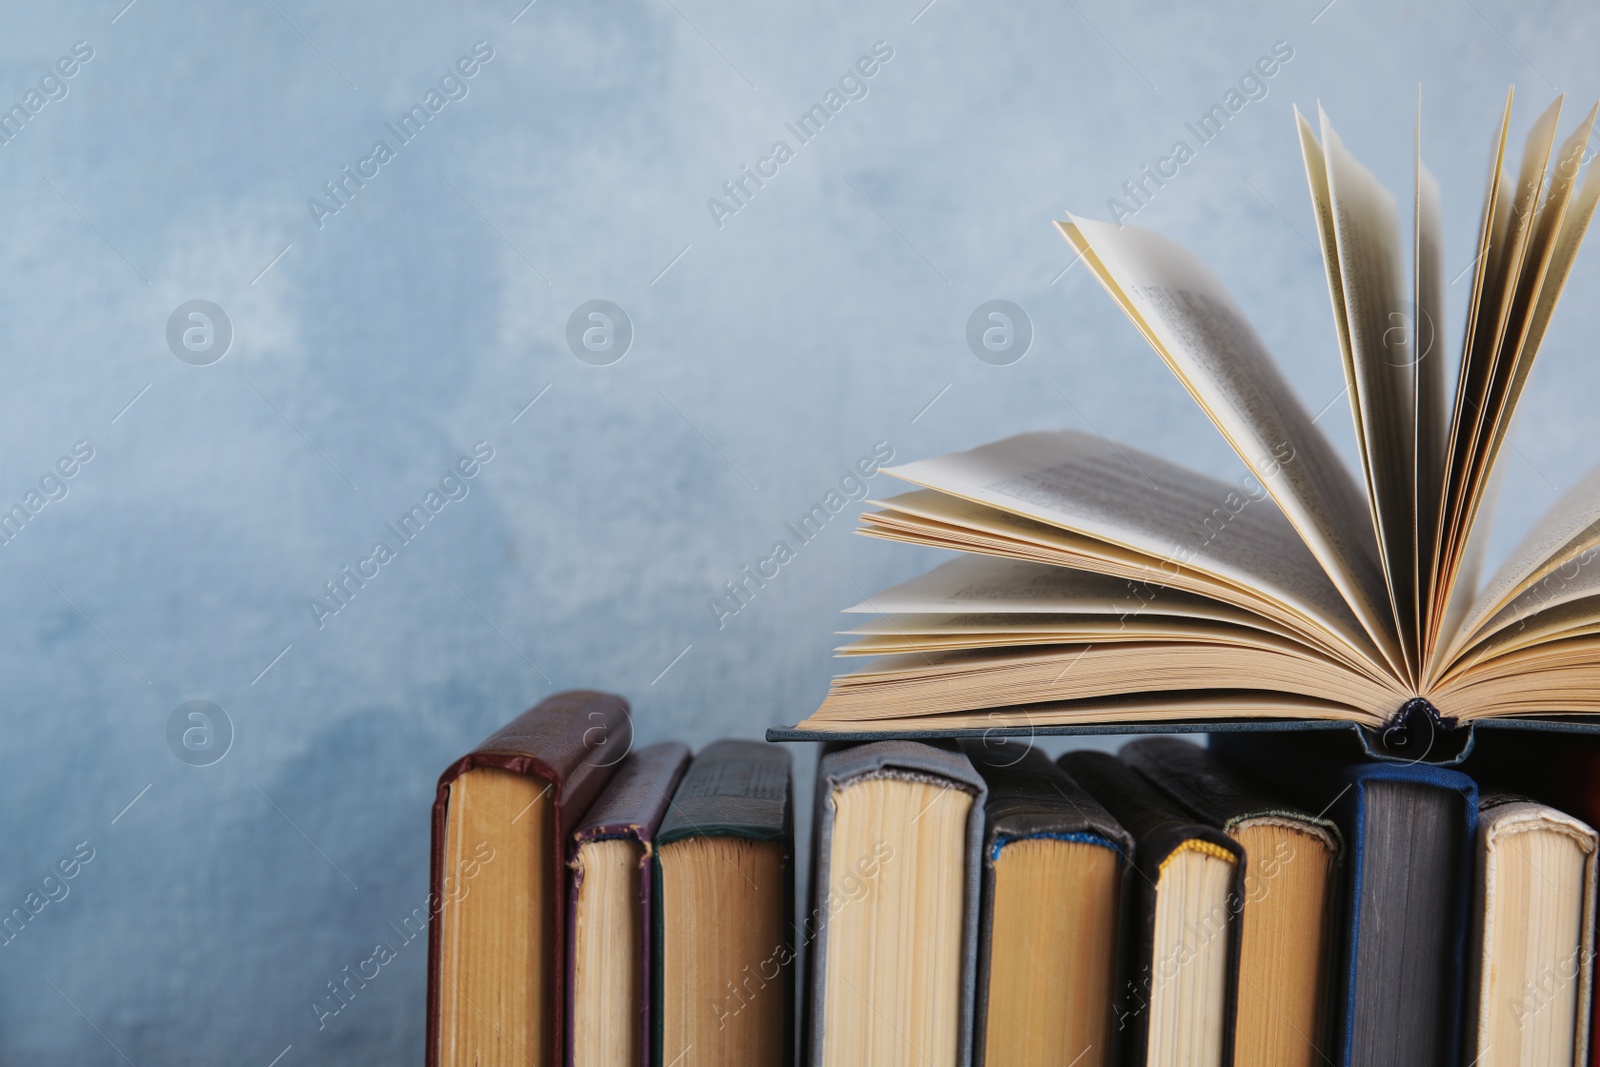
(1385, 854)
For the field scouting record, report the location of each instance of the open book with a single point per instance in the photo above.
(1109, 584)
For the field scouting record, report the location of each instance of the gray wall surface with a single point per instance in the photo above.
(378, 337)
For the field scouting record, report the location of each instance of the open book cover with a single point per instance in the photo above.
(1106, 584)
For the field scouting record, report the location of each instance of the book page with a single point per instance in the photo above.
(1177, 517)
(1192, 322)
(1542, 275)
(883, 639)
(1366, 227)
(1575, 618)
(928, 633)
(1470, 385)
(926, 517)
(1464, 588)
(1573, 584)
(982, 594)
(1530, 681)
(1053, 624)
(1316, 165)
(1568, 531)
(1123, 708)
(1428, 393)
(991, 585)
(932, 683)
(1573, 226)
(1494, 363)
(1525, 201)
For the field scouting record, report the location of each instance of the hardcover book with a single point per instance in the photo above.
(1563, 772)
(724, 912)
(1530, 975)
(893, 922)
(497, 946)
(1177, 1002)
(1109, 584)
(1410, 830)
(612, 857)
(1057, 871)
(1288, 915)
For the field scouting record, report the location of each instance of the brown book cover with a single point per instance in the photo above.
(573, 740)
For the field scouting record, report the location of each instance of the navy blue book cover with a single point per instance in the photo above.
(1335, 780)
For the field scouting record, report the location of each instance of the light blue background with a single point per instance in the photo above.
(770, 354)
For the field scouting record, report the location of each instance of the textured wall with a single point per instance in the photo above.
(375, 345)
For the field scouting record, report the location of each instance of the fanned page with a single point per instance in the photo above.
(1553, 236)
(1536, 616)
(1469, 389)
(1428, 391)
(899, 635)
(969, 682)
(1489, 366)
(1574, 224)
(939, 520)
(1087, 484)
(1192, 322)
(1360, 231)
(978, 602)
(1192, 706)
(1509, 266)
(1570, 528)
(1547, 569)
(1560, 674)
(1469, 571)
(1017, 587)
(1539, 278)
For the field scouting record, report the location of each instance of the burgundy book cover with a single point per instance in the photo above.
(631, 806)
(573, 740)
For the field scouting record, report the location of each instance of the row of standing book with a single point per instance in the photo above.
(1271, 899)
